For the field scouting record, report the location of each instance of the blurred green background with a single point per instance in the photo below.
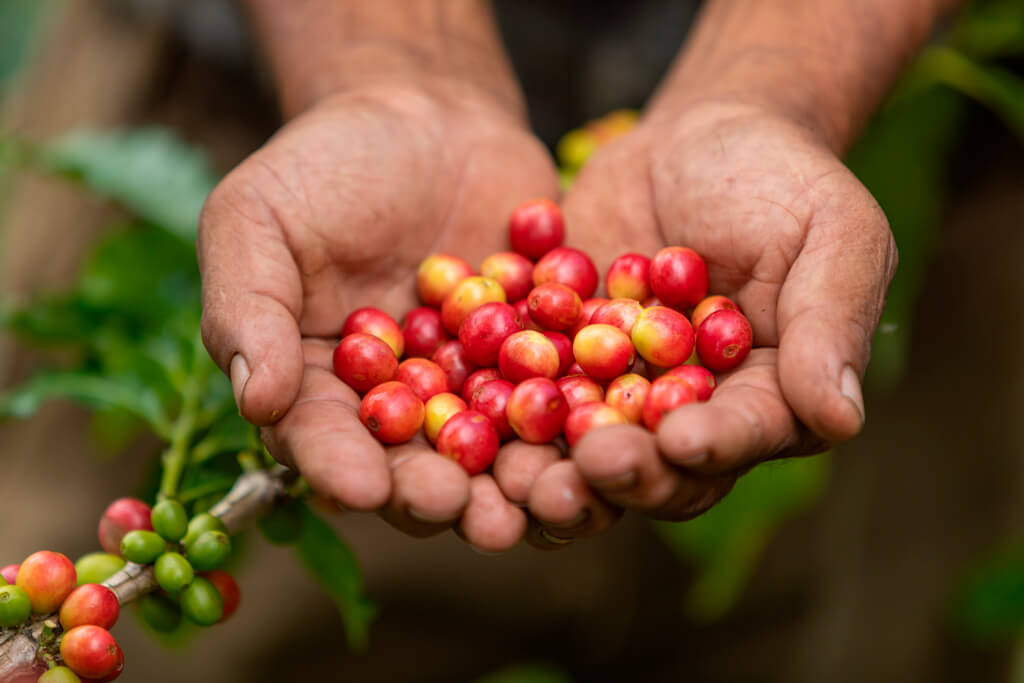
(899, 557)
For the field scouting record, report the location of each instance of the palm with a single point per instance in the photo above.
(772, 212)
(334, 213)
(363, 192)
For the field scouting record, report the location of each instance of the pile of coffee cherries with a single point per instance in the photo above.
(186, 555)
(523, 350)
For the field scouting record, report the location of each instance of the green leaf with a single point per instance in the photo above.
(989, 607)
(527, 673)
(333, 565)
(903, 160)
(59, 320)
(143, 273)
(725, 544)
(90, 389)
(214, 475)
(18, 20)
(114, 429)
(229, 434)
(149, 171)
(996, 87)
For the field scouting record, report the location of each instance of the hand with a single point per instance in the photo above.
(788, 233)
(336, 212)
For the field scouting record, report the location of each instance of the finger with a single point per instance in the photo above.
(623, 465)
(490, 523)
(829, 308)
(429, 491)
(746, 421)
(566, 508)
(519, 464)
(252, 299)
(322, 438)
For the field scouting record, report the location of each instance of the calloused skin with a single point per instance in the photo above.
(787, 232)
(339, 208)
(336, 212)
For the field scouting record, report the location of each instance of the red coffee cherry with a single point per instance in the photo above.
(120, 517)
(628, 393)
(90, 603)
(679, 277)
(424, 377)
(477, 380)
(604, 352)
(590, 416)
(47, 578)
(469, 438)
(451, 358)
(469, 295)
(438, 275)
(580, 389)
(663, 337)
(709, 305)
(392, 412)
(437, 411)
(627, 277)
(700, 378)
(666, 394)
(528, 354)
(490, 400)
(536, 227)
(363, 361)
(423, 332)
(514, 272)
(554, 306)
(230, 593)
(377, 323)
(485, 329)
(537, 410)
(724, 340)
(90, 651)
(570, 267)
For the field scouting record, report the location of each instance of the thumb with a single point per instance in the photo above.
(829, 308)
(252, 298)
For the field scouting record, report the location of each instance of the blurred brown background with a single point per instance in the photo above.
(856, 589)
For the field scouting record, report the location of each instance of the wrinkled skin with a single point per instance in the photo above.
(790, 235)
(336, 212)
(338, 209)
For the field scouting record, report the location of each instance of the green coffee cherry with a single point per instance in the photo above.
(60, 674)
(162, 614)
(170, 520)
(3, 581)
(201, 602)
(15, 606)
(173, 572)
(209, 550)
(201, 523)
(283, 525)
(142, 547)
(97, 567)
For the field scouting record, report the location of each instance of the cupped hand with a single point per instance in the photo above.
(336, 212)
(791, 235)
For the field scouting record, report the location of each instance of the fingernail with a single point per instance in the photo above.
(426, 518)
(850, 388)
(620, 483)
(551, 538)
(694, 460)
(239, 377)
(572, 523)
